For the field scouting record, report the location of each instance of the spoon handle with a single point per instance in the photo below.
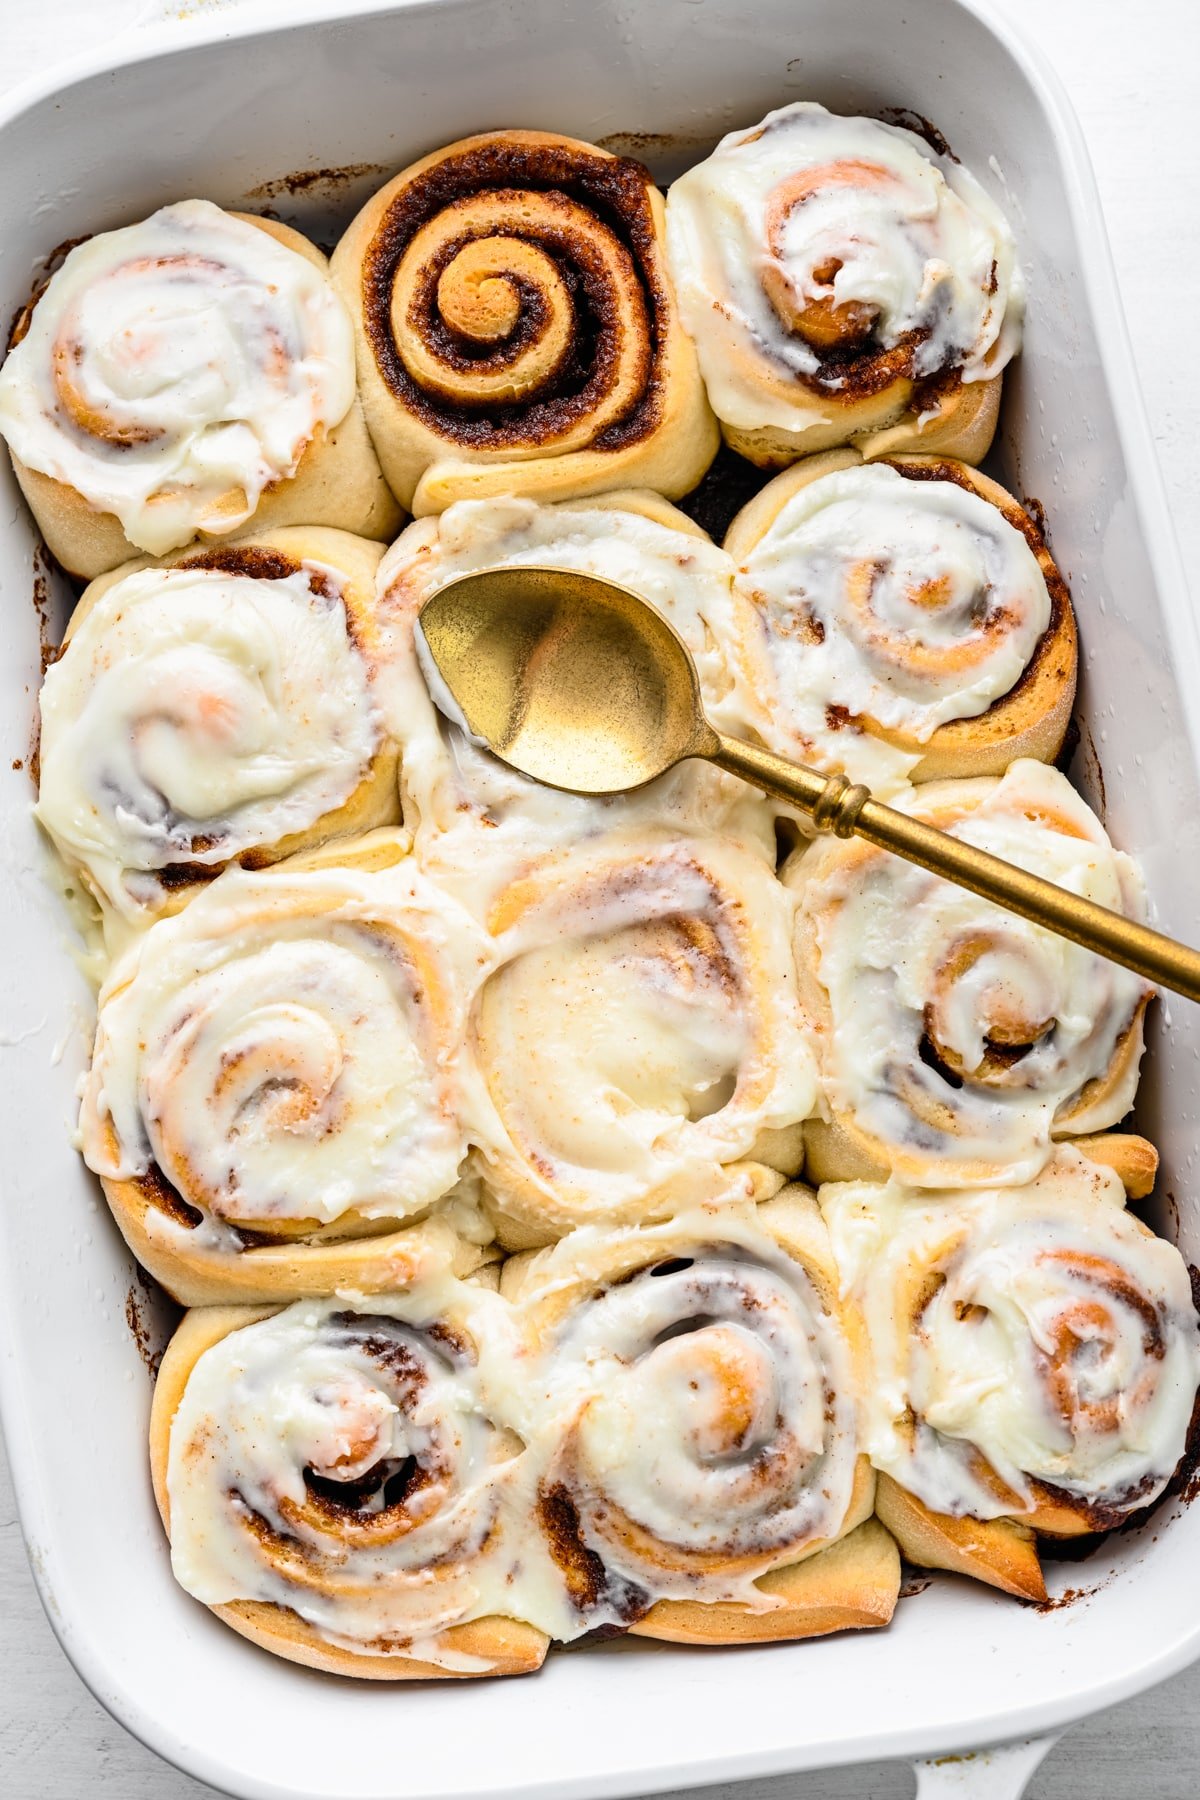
(847, 810)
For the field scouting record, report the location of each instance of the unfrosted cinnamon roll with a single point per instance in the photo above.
(1035, 1355)
(955, 1042)
(275, 1086)
(699, 1389)
(638, 1032)
(478, 824)
(517, 330)
(844, 282)
(336, 1479)
(910, 621)
(180, 378)
(236, 704)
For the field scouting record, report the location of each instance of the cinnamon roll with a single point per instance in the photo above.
(910, 621)
(235, 704)
(1035, 1356)
(845, 282)
(180, 378)
(699, 1385)
(954, 1051)
(638, 1031)
(275, 1086)
(478, 824)
(336, 1480)
(517, 330)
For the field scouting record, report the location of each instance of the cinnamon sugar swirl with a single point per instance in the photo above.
(517, 329)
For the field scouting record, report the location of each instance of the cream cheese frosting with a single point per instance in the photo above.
(958, 1042)
(847, 213)
(639, 1031)
(285, 1049)
(196, 714)
(1042, 1329)
(902, 603)
(174, 369)
(387, 1467)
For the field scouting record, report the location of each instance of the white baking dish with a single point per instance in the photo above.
(219, 112)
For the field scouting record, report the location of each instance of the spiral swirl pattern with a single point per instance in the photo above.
(348, 1465)
(517, 326)
(236, 703)
(175, 369)
(835, 271)
(893, 601)
(639, 1032)
(1035, 1349)
(279, 1059)
(954, 1052)
(478, 824)
(703, 1390)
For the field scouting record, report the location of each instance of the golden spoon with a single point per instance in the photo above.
(581, 685)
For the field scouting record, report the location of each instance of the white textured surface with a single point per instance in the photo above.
(1131, 75)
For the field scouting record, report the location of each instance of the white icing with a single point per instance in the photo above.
(1061, 1345)
(711, 1405)
(916, 237)
(285, 1048)
(335, 1389)
(477, 822)
(903, 603)
(641, 1028)
(752, 1468)
(175, 369)
(961, 968)
(195, 704)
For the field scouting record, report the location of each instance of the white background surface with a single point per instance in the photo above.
(1132, 71)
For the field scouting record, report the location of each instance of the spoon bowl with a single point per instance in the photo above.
(573, 681)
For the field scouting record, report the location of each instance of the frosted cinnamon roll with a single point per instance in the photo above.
(700, 1391)
(336, 1480)
(910, 621)
(478, 824)
(180, 378)
(274, 1087)
(956, 1042)
(236, 704)
(1035, 1355)
(517, 330)
(638, 1032)
(844, 282)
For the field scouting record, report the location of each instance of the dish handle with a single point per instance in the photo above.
(1000, 1773)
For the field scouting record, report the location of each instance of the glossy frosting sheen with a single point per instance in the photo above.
(914, 240)
(1041, 1329)
(196, 714)
(174, 369)
(642, 1028)
(902, 603)
(956, 1041)
(714, 1400)
(285, 1048)
(476, 820)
